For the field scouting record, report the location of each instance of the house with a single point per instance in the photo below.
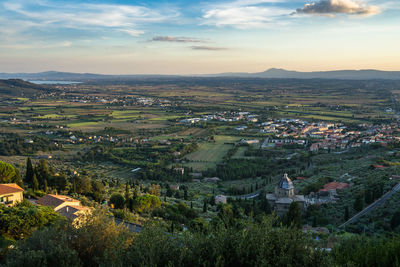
(181, 171)
(333, 186)
(220, 199)
(77, 214)
(66, 206)
(176, 154)
(57, 201)
(284, 196)
(174, 187)
(241, 128)
(10, 194)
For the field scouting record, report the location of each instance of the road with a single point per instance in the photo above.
(372, 206)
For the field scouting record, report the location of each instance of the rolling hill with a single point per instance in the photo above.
(19, 88)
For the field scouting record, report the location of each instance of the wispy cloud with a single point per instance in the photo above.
(332, 7)
(123, 18)
(208, 48)
(177, 39)
(244, 14)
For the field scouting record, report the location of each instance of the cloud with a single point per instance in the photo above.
(89, 17)
(246, 14)
(332, 7)
(208, 48)
(133, 33)
(177, 39)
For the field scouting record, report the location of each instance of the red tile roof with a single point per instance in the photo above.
(9, 189)
(334, 185)
(379, 166)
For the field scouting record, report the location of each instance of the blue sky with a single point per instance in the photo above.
(188, 37)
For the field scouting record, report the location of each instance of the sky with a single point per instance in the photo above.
(198, 37)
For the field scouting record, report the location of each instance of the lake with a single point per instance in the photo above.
(53, 82)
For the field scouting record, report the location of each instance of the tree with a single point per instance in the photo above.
(293, 216)
(358, 203)
(21, 220)
(64, 245)
(35, 183)
(45, 186)
(7, 172)
(127, 194)
(97, 190)
(346, 214)
(29, 171)
(265, 206)
(61, 181)
(395, 221)
(117, 200)
(42, 171)
(155, 190)
(85, 185)
(146, 203)
(205, 206)
(17, 178)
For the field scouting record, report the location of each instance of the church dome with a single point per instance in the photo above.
(285, 183)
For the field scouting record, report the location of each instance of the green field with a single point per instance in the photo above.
(210, 154)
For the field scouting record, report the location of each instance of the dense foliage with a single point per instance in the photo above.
(256, 243)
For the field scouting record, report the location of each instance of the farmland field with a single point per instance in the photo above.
(210, 154)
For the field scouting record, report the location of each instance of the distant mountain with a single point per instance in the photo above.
(52, 75)
(70, 76)
(271, 73)
(17, 87)
(339, 74)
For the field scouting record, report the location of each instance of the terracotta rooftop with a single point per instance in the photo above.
(54, 200)
(334, 185)
(379, 166)
(9, 189)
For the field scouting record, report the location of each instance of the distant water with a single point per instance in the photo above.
(53, 82)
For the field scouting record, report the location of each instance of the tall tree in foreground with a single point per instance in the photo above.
(293, 216)
(7, 172)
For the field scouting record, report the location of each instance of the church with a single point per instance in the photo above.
(284, 195)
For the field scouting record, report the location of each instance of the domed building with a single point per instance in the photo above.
(284, 196)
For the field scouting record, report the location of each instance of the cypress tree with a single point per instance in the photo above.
(127, 194)
(29, 171)
(358, 203)
(293, 216)
(74, 185)
(346, 214)
(45, 186)
(35, 183)
(205, 206)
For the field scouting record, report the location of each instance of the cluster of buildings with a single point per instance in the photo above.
(285, 195)
(326, 135)
(121, 100)
(223, 117)
(11, 194)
